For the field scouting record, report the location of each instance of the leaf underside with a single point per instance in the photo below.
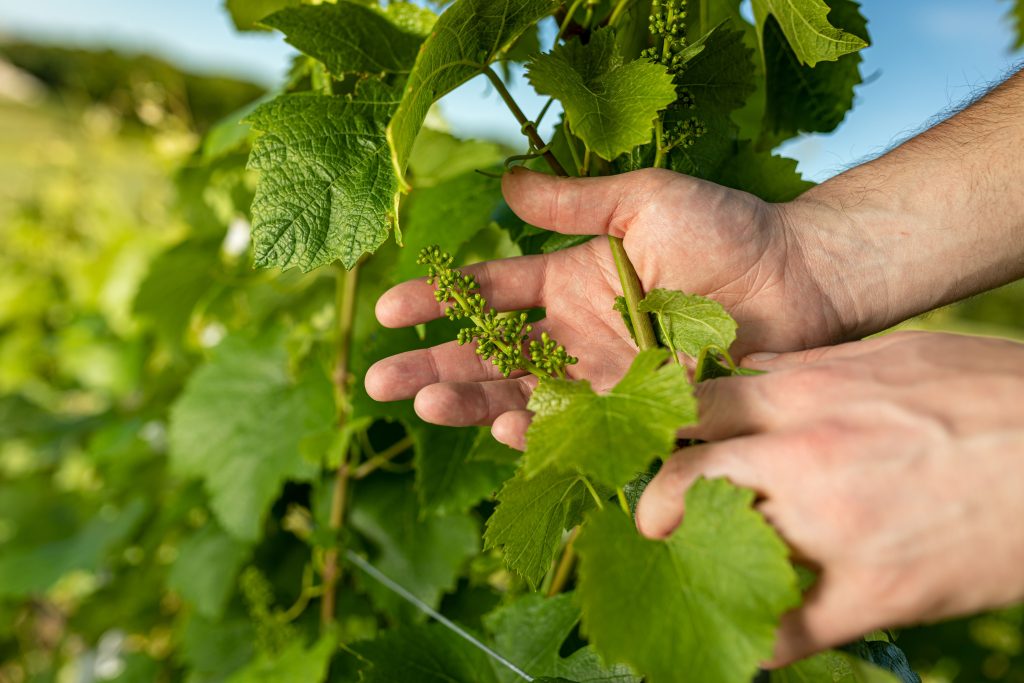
(806, 26)
(691, 322)
(532, 514)
(466, 38)
(610, 437)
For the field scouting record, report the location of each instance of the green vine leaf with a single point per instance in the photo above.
(702, 605)
(296, 663)
(327, 190)
(240, 424)
(838, 667)
(246, 14)
(466, 39)
(610, 103)
(450, 212)
(205, 570)
(614, 436)
(825, 92)
(532, 515)
(771, 177)
(448, 478)
(348, 37)
(410, 17)
(36, 568)
(719, 71)
(690, 322)
(425, 654)
(807, 28)
(424, 553)
(1017, 19)
(530, 632)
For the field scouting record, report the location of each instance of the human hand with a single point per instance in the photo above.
(680, 233)
(894, 466)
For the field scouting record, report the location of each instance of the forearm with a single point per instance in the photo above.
(937, 219)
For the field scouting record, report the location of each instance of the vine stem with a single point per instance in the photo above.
(565, 564)
(632, 289)
(633, 292)
(527, 126)
(347, 281)
(568, 18)
(382, 458)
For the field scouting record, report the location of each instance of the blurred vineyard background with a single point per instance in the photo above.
(124, 261)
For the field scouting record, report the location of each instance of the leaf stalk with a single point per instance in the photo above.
(529, 129)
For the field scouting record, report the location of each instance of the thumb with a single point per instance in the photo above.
(581, 206)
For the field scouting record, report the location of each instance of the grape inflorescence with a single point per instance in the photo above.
(667, 25)
(500, 338)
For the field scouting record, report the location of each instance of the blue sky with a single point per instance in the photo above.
(926, 56)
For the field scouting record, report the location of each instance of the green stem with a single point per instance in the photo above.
(564, 568)
(729, 360)
(309, 591)
(577, 162)
(528, 128)
(568, 18)
(666, 44)
(633, 292)
(667, 338)
(382, 458)
(659, 143)
(632, 289)
(593, 493)
(589, 16)
(544, 111)
(620, 6)
(347, 281)
(623, 503)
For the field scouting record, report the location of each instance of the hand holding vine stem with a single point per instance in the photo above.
(681, 233)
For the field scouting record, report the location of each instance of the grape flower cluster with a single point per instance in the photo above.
(667, 25)
(500, 338)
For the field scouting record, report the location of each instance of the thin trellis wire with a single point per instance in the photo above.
(400, 590)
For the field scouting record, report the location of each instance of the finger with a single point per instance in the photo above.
(735, 406)
(508, 284)
(588, 206)
(401, 376)
(460, 404)
(510, 428)
(769, 361)
(831, 614)
(740, 460)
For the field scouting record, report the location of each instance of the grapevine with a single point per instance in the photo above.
(305, 531)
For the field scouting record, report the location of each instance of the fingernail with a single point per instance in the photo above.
(762, 356)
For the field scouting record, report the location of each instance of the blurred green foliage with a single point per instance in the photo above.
(139, 89)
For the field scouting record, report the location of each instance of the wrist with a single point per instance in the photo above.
(843, 260)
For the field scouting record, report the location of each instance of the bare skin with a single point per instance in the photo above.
(896, 466)
(893, 466)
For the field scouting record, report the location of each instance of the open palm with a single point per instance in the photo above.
(680, 233)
